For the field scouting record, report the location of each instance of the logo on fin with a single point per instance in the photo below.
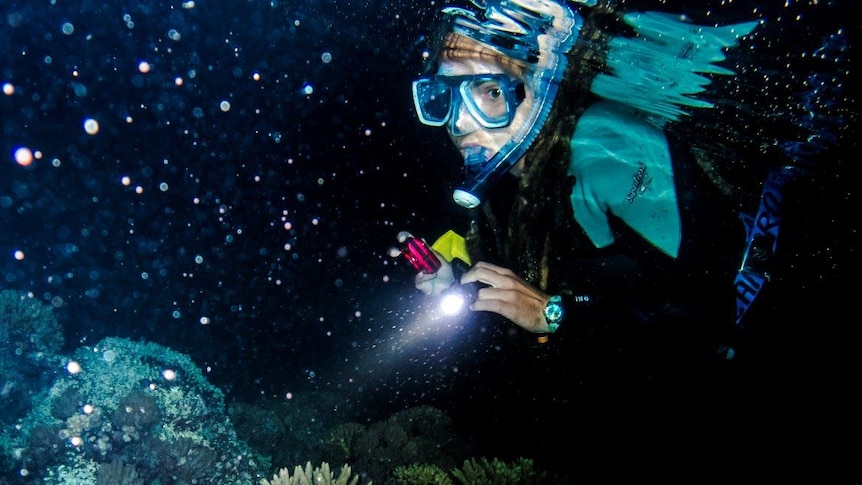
(640, 183)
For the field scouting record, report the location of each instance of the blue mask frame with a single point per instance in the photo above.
(438, 99)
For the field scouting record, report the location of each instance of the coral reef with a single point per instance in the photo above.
(116, 472)
(30, 342)
(131, 409)
(478, 471)
(181, 461)
(345, 436)
(321, 475)
(137, 410)
(422, 434)
(417, 474)
(295, 430)
(419, 435)
(137, 413)
(408, 429)
(497, 472)
(28, 325)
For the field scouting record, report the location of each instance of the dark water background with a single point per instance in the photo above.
(314, 305)
(346, 166)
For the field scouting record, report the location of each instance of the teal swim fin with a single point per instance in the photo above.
(659, 70)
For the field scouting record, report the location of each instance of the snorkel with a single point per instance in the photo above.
(538, 33)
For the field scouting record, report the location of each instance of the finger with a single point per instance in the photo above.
(482, 274)
(523, 310)
(490, 293)
(496, 269)
(486, 266)
(422, 277)
(503, 308)
(521, 296)
(492, 277)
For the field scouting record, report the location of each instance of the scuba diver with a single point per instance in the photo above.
(593, 226)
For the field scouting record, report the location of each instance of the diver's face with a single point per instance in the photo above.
(468, 134)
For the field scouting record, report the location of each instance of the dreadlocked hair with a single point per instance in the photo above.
(519, 231)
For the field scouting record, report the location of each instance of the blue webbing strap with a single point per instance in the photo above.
(822, 118)
(762, 237)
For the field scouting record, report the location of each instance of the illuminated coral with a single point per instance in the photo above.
(132, 402)
(321, 475)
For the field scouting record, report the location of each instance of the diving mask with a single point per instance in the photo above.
(491, 99)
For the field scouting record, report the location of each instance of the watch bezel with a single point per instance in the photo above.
(554, 313)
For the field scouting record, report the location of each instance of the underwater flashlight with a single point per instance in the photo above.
(457, 298)
(417, 253)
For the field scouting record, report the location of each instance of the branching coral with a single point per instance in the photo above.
(496, 472)
(118, 473)
(344, 436)
(417, 474)
(321, 475)
(479, 471)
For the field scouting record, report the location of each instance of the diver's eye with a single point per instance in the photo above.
(488, 91)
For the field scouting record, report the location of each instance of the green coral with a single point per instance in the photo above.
(476, 471)
(498, 472)
(321, 475)
(344, 436)
(421, 474)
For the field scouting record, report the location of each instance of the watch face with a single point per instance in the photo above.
(553, 312)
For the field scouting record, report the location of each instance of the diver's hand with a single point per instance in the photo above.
(437, 282)
(508, 295)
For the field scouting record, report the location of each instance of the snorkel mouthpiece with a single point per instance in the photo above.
(466, 199)
(475, 170)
